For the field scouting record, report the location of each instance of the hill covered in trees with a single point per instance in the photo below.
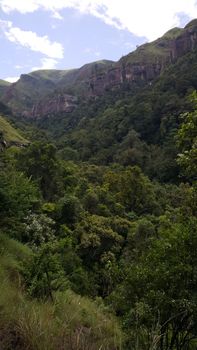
(98, 212)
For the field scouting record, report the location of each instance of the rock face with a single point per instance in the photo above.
(47, 92)
(185, 42)
(98, 83)
(149, 60)
(58, 103)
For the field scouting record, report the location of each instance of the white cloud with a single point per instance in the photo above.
(18, 5)
(11, 79)
(31, 40)
(149, 18)
(46, 63)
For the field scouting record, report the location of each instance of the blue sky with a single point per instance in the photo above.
(64, 34)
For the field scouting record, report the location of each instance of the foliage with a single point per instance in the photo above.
(18, 195)
(100, 224)
(187, 141)
(160, 288)
(69, 322)
(39, 161)
(10, 133)
(131, 125)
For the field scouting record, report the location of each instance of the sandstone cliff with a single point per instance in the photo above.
(149, 60)
(47, 92)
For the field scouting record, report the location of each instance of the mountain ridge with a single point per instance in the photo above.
(45, 92)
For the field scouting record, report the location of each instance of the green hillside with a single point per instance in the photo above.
(4, 83)
(10, 134)
(32, 324)
(156, 52)
(130, 125)
(34, 87)
(95, 256)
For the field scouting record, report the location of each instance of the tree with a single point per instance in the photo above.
(158, 293)
(39, 229)
(132, 189)
(43, 273)
(187, 141)
(39, 161)
(18, 195)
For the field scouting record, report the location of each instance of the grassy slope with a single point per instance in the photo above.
(51, 74)
(71, 322)
(158, 50)
(71, 75)
(4, 83)
(153, 52)
(9, 132)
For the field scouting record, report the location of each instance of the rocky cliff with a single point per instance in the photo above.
(149, 60)
(46, 92)
(52, 105)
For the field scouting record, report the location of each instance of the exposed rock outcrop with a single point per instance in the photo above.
(47, 92)
(148, 61)
(56, 104)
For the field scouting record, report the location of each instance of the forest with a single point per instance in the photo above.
(98, 256)
(98, 218)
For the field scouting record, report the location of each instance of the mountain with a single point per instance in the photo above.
(105, 192)
(129, 125)
(133, 124)
(45, 92)
(59, 89)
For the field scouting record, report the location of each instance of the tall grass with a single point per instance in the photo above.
(70, 323)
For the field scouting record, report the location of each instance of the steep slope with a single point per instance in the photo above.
(47, 92)
(130, 125)
(35, 324)
(9, 135)
(3, 86)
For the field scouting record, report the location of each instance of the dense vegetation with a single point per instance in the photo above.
(98, 215)
(133, 125)
(98, 256)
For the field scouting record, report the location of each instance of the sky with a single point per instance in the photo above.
(65, 34)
